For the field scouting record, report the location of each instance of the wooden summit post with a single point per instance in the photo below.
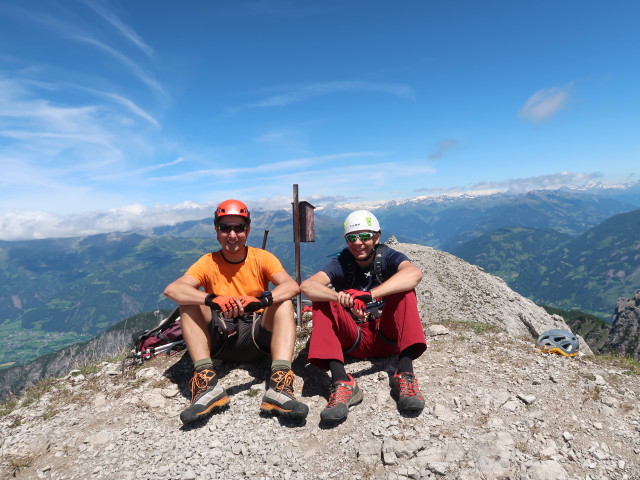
(303, 231)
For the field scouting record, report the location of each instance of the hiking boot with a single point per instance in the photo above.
(280, 400)
(206, 396)
(404, 389)
(343, 395)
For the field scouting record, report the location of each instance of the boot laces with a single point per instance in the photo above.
(407, 385)
(340, 393)
(200, 382)
(284, 381)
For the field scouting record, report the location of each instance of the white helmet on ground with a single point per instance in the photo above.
(361, 220)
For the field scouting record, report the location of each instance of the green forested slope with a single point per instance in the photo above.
(589, 272)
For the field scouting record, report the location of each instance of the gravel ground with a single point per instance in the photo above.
(495, 409)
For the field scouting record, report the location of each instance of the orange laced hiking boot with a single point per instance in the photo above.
(280, 399)
(343, 395)
(206, 396)
(404, 389)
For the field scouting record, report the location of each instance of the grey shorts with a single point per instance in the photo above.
(249, 340)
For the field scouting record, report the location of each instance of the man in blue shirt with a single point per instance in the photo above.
(364, 305)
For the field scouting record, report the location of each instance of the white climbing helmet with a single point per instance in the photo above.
(361, 220)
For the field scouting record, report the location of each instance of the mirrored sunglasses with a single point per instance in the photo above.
(352, 237)
(236, 227)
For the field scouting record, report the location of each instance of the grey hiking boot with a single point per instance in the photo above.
(404, 389)
(206, 396)
(343, 395)
(280, 400)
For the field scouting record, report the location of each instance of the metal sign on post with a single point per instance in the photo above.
(303, 231)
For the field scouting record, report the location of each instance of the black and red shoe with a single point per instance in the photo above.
(343, 395)
(405, 390)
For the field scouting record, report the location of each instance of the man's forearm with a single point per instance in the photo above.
(285, 291)
(317, 292)
(184, 294)
(402, 281)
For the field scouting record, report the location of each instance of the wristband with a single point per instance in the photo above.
(268, 297)
(208, 300)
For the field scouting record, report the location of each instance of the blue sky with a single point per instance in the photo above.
(113, 113)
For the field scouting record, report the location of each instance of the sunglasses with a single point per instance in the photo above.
(352, 237)
(236, 227)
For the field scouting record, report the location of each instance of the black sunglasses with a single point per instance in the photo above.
(236, 227)
(352, 237)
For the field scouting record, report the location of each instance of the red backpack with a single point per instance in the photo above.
(165, 339)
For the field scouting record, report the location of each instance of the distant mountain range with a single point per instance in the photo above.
(60, 291)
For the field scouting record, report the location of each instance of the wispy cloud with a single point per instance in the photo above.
(443, 148)
(288, 140)
(70, 88)
(126, 31)
(73, 30)
(299, 94)
(272, 168)
(545, 103)
(58, 151)
(138, 172)
(132, 107)
(134, 67)
(30, 118)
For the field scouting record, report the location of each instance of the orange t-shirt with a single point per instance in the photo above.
(250, 277)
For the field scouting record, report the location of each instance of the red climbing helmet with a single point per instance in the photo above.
(231, 207)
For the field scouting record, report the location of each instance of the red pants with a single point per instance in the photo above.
(335, 332)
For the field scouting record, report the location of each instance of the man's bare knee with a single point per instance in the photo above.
(278, 313)
(196, 313)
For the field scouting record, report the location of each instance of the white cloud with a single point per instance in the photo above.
(50, 147)
(545, 103)
(21, 225)
(300, 94)
(353, 181)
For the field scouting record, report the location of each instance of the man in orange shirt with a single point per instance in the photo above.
(216, 296)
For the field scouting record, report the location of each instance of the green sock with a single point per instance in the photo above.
(202, 364)
(280, 365)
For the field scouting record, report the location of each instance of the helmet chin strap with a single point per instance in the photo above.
(373, 250)
(375, 245)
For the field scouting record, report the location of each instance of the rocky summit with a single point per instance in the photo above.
(624, 338)
(496, 408)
